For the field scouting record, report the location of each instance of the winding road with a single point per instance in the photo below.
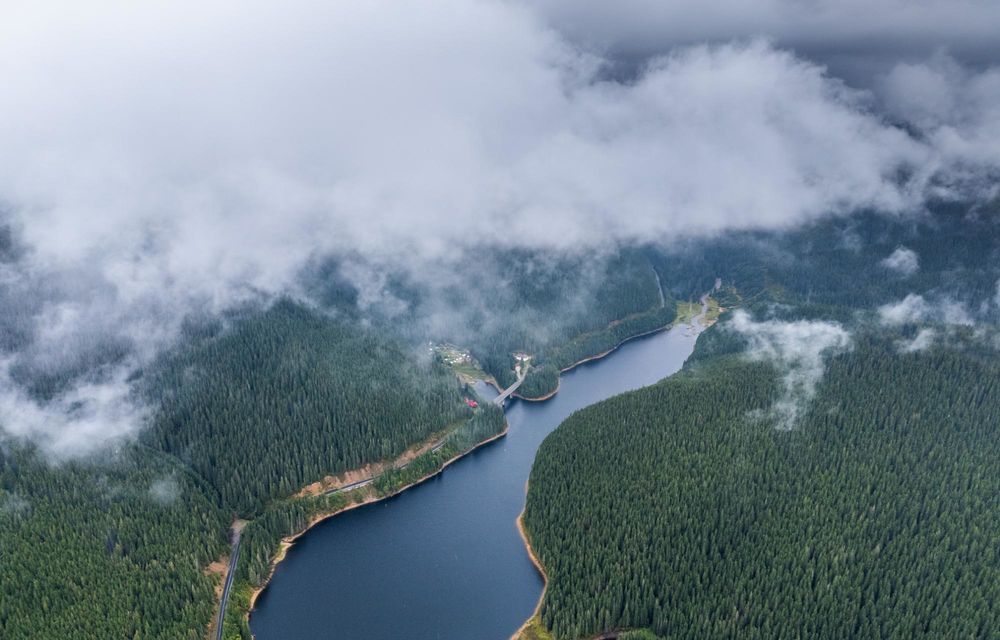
(230, 574)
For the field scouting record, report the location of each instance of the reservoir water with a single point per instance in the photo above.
(444, 560)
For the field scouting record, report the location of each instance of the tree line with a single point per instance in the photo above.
(680, 510)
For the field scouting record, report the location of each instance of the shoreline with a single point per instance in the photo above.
(316, 490)
(592, 358)
(538, 567)
(697, 322)
(288, 542)
(547, 396)
(493, 383)
(370, 471)
(576, 364)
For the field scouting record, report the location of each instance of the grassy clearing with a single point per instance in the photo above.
(470, 371)
(460, 361)
(686, 311)
(714, 310)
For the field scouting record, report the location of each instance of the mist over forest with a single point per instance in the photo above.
(158, 173)
(258, 264)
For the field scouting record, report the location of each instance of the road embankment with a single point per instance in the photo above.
(365, 497)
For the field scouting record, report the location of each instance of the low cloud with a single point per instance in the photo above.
(13, 504)
(957, 109)
(165, 490)
(930, 64)
(921, 342)
(197, 156)
(903, 261)
(86, 417)
(915, 309)
(799, 350)
(910, 310)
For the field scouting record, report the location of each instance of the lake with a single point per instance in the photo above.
(443, 560)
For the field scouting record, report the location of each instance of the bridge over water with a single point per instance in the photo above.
(500, 399)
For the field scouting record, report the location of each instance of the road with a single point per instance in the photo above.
(348, 487)
(230, 574)
(693, 324)
(704, 310)
(499, 400)
(361, 483)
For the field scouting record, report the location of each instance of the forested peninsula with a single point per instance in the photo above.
(766, 493)
(681, 509)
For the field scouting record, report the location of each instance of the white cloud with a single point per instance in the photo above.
(915, 309)
(954, 313)
(160, 158)
(466, 117)
(957, 108)
(908, 51)
(87, 417)
(910, 310)
(798, 349)
(903, 261)
(921, 342)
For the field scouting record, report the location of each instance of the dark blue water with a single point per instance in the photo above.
(444, 560)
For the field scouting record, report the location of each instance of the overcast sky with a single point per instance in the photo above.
(857, 38)
(160, 157)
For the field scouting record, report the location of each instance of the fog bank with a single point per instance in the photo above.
(161, 159)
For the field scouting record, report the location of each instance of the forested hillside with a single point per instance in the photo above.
(840, 262)
(117, 547)
(289, 396)
(290, 516)
(558, 307)
(687, 510)
(560, 311)
(680, 508)
(251, 407)
(106, 549)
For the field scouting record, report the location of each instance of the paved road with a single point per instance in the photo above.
(366, 481)
(233, 559)
(499, 400)
(348, 487)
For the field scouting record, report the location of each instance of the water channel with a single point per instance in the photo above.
(443, 560)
